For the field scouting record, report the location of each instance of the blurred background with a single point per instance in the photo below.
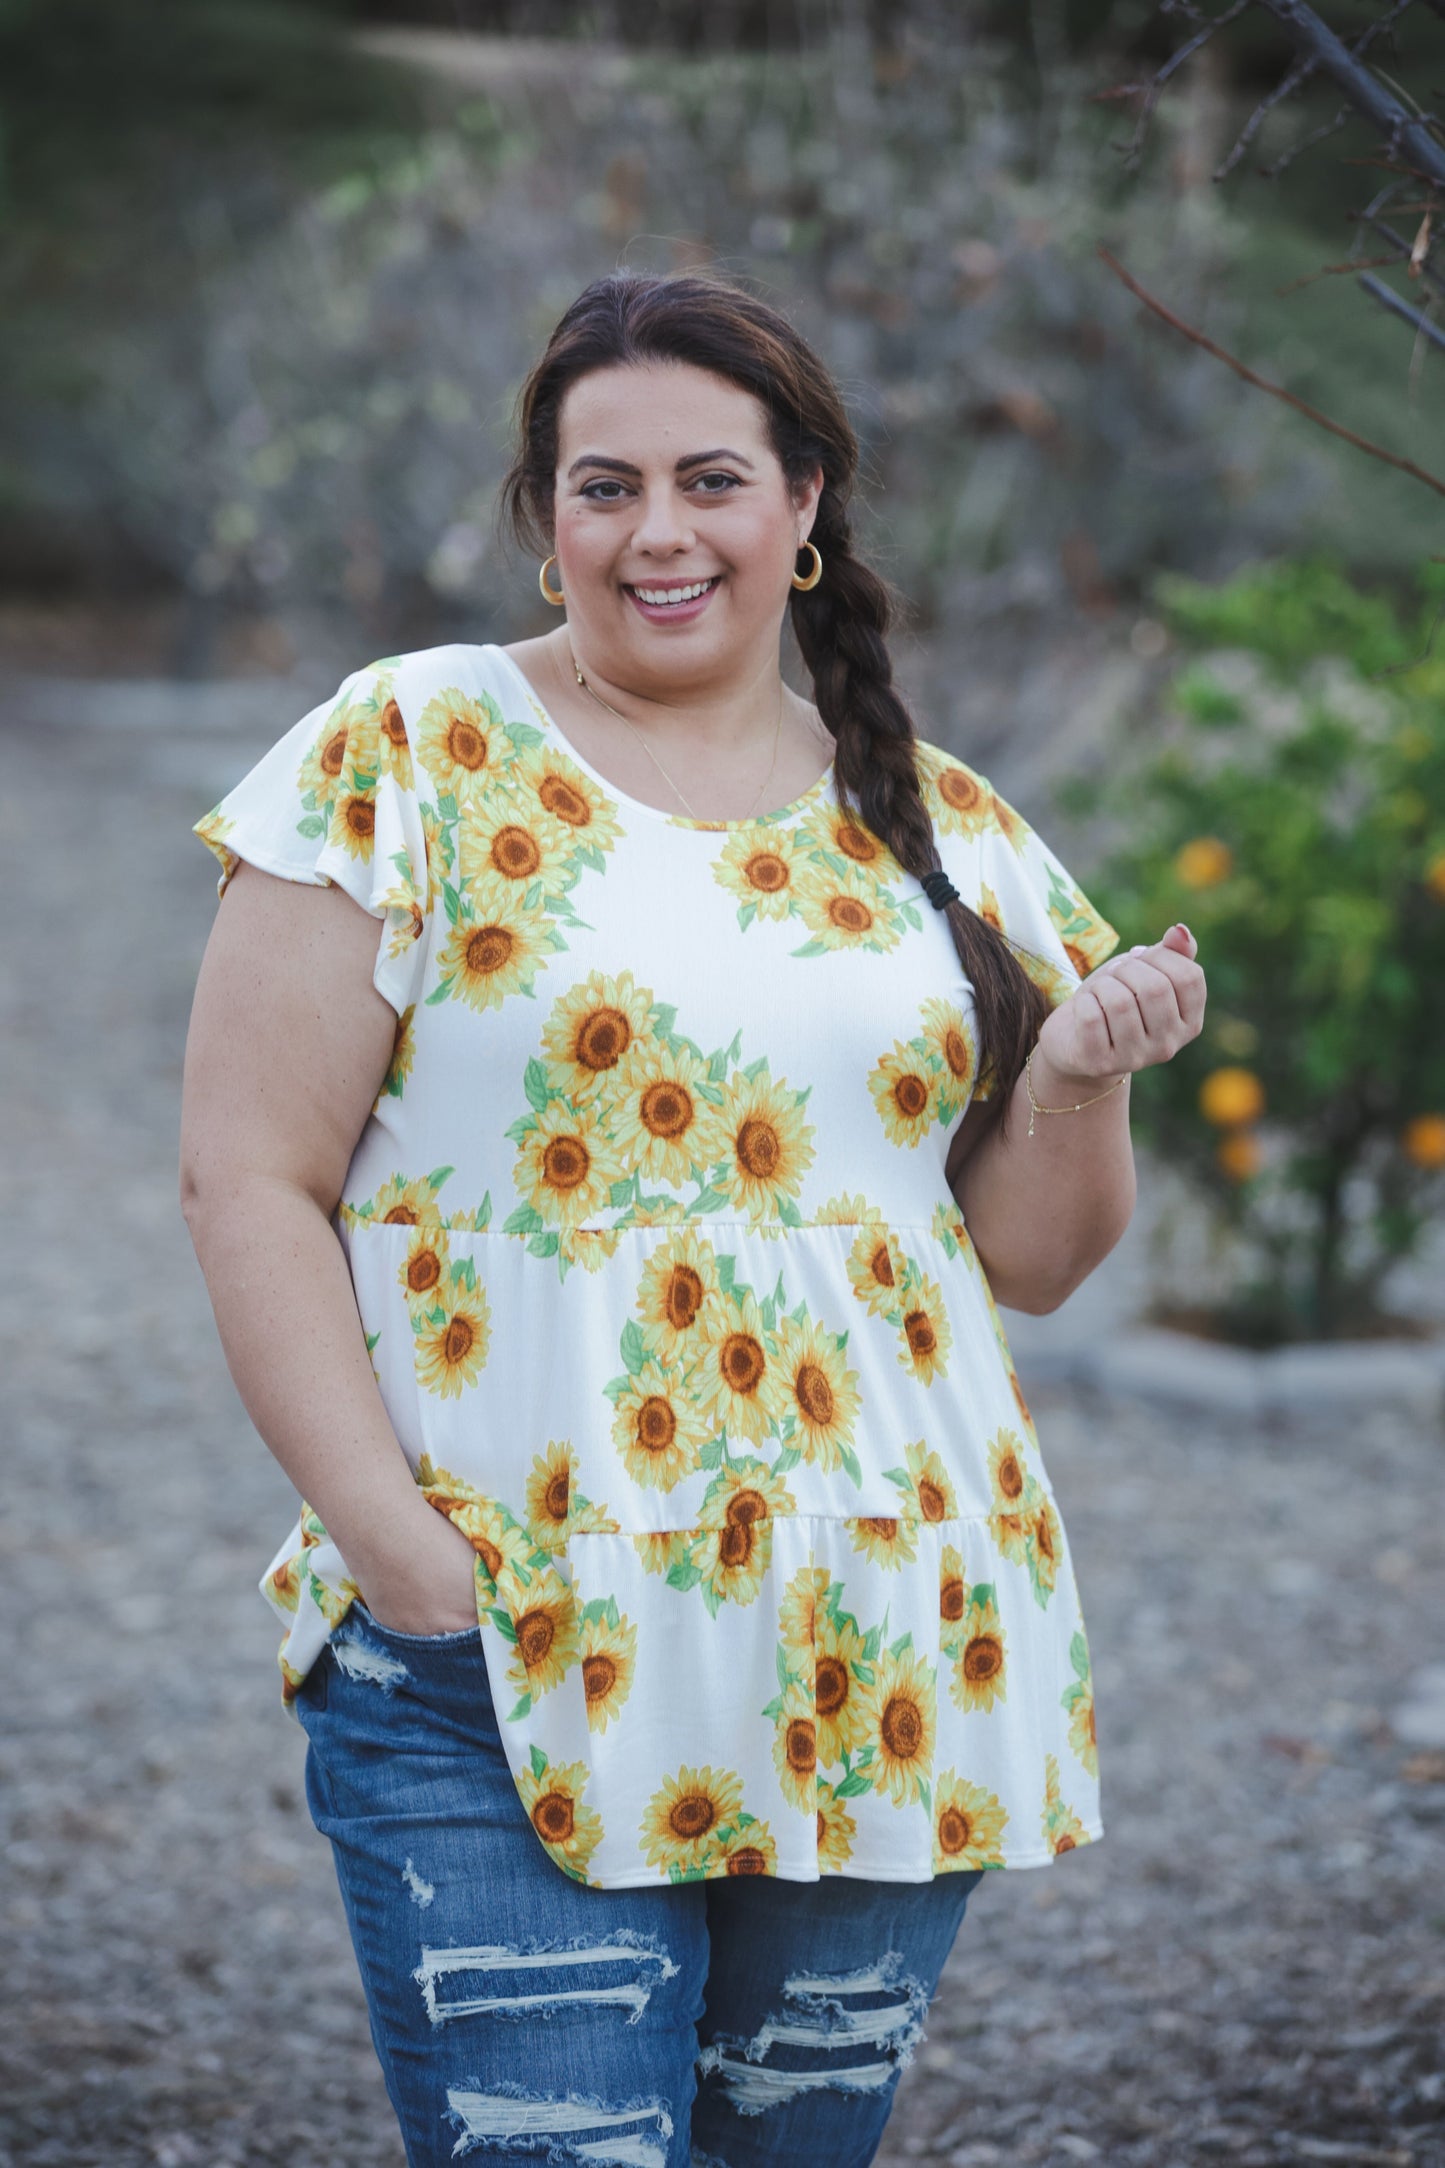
(274, 270)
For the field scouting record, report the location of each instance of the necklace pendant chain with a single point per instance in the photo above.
(646, 747)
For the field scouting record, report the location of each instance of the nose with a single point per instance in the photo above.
(664, 523)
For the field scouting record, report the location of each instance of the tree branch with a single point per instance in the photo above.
(1389, 299)
(1319, 43)
(1276, 391)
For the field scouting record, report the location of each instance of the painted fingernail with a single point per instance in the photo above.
(1180, 927)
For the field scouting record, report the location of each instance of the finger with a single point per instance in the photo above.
(1170, 1015)
(1184, 975)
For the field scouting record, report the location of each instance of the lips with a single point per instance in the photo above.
(673, 602)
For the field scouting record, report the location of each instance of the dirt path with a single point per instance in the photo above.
(1250, 1969)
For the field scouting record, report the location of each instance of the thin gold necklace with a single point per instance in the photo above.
(672, 786)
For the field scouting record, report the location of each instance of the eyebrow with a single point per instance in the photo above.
(621, 466)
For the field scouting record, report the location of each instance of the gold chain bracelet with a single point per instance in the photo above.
(1035, 1108)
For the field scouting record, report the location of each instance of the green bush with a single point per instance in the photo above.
(1290, 809)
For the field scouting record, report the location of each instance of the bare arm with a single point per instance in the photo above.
(288, 1044)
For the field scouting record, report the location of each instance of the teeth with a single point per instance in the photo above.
(672, 594)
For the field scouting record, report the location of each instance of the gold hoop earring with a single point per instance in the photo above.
(558, 601)
(806, 586)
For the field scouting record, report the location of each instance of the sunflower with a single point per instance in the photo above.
(749, 1847)
(768, 1145)
(759, 867)
(1011, 1536)
(743, 1493)
(1063, 1831)
(901, 1722)
(799, 1610)
(503, 843)
(663, 1125)
(579, 812)
(438, 854)
(494, 949)
(737, 1383)
(501, 1543)
(1010, 824)
(663, 1549)
(846, 910)
(593, 1029)
(905, 1094)
(458, 738)
(1006, 1473)
(404, 1203)
(353, 823)
(961, 802)
(844, 1211)
(553, 1800)
(876, 1268)
(980, 1671)
(831, 828)
(1044, 1540)
(403, 1053)
(927, 1334)
(550, 1487)
(451, 1335)
(946, 1036)
(609, 1658)
(889, 1543)
(968, 1825)
(836, 1831)
(952, 1597)
(1078, 1701)
(347, 747)
(822, 1398)
(795, 1752)
(393, 742)
(589, 1247)
(282, 1585)
(426, 1264)
(544, 1620)
(733, 1546)
(678, 1829)
(678, 1296)
(566, 1165)
(659, 1433)
(935, 1493)
(1019, 1401)
(840, 1699)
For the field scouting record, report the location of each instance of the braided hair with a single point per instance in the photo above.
(840, 625)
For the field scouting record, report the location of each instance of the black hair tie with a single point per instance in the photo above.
(939, 890)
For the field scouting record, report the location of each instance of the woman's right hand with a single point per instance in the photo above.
(426, 1583)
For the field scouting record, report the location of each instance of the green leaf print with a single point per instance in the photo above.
(788, 1458)
(543, 1245)
(727, 1266)
(664, 1016)
(520, 1708)
(683, 1574)
(312, 827)
(910, 912)
(872, 1643)
(535, 1085)
(634, 1350)
(451, 897)
(620, 1192)
(711, 1454)
(717, 1067)
(788, 1212)
(854, 1783)
(502, 1620)
(925, 1793)
(708, 1201)
(523, 736)
(526, 1220)
(901, 1645)
(1078, 1647)
(811, 948)
(747, 912)
(775, 1707)
(850, 1461)
(755, 1069)
(539, 1762)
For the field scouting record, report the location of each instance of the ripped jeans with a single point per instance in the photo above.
(520, 2016)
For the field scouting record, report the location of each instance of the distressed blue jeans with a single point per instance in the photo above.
(521, 2017)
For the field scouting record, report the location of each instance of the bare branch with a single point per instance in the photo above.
(1389, 299)
(1431, 277)
(1299, 73)
(1154, 88)
(1276, 391)
(1314, 38)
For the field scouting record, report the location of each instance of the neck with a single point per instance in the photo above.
(705, 712)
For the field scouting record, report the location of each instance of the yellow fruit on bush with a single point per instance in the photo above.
(1239, 1155)
(1423, 1140)
(1229, 1097)
(1435, 875)
(1204, 862)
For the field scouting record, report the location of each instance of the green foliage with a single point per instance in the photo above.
(1292, 813)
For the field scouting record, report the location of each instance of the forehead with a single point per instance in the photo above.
(656, 413)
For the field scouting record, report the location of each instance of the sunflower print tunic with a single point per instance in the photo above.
(668, 1299)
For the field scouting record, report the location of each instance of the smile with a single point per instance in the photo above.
(683, 596)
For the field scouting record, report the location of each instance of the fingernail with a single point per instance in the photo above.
(1180, 927)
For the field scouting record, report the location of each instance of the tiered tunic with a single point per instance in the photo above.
(669, 1301)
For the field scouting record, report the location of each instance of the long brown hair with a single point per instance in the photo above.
(840, 625)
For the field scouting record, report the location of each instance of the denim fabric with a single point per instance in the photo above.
(521, 2016)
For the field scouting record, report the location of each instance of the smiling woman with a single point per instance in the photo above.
(680, 1601)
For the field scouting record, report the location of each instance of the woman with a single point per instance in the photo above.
(607, 1246)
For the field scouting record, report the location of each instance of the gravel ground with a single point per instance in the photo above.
(1250, 1969)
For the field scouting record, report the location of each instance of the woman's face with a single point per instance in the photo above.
(676, 531)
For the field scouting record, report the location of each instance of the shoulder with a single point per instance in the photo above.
(963, 802)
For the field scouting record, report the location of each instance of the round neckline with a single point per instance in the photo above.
(640, 805)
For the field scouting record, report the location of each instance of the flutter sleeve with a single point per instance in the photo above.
(335, 803)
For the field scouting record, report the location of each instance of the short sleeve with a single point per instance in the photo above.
(335, 803)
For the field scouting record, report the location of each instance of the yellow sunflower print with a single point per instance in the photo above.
(426, 1264)
(905, 1094)
(846, 910)
(589, 1247)
(1007, 1477)
(459, 737)
(1078, 1701)
(937, 1500)
(736, 1385)
(952, 1596)
(927, 1334)
(830, 828)
(979, 1677)
(822, 1397)
(504, 844)
(593, 1029)
(768, 1144)
(403, 1053)
(608, 1654)
(845, 1211)
(836, 1831)
(888, 1542)
(946, 1035)
(348, 746)
(798, 1611)
(1063, 1831)
(663, 1549)
(876, 1269)
(353, 822)
(393, 741)
(504, 1549)
(968, 1825)
(759, 867)
(748, 1846)
(544, 1623)
(662, 1123)
(840, 1696)
(549, 1495)
(1044, 1540)
(960, 801)
(683, 1816)
(795, 1754)
(902, 1724)
(552, 1796)
(495, 949)
(658, 1430)
(451, 1334)
(566, 1165)
(734, 1544)
(405, 1203)
(582, 817)
(678, 1297)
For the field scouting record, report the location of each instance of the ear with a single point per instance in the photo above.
(805, 497)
